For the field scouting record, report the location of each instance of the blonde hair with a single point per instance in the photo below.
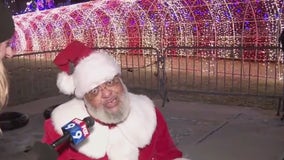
(4, 86)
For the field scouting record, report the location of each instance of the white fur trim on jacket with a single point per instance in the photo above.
(120, 142)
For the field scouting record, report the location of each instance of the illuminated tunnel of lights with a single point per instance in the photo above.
(153, 23)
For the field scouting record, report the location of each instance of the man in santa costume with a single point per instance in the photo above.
(127, 126)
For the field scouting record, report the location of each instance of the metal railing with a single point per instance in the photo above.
(33, 76)
(235, 71)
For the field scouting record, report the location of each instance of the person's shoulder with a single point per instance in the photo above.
(69, 109)
(70, 104)
(140, 99)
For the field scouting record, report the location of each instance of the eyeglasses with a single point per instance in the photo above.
(107, 84)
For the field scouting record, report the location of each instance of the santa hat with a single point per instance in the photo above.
(92, 68)
(7, 27)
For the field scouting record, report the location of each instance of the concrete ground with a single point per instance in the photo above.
(201, 131)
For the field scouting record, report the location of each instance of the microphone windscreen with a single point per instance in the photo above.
(89, 121)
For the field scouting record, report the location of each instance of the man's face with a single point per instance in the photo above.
(108, 102)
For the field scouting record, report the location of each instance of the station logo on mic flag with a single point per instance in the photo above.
(77, 129)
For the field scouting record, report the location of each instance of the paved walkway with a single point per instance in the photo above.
(201, 131)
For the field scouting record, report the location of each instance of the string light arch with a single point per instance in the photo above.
(153, 23)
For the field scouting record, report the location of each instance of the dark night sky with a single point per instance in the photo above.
(19, 6)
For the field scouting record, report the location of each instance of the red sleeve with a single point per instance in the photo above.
(165, 147)
(50, 135)
(161, 146)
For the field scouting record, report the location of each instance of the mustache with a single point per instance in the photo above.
(110, 100)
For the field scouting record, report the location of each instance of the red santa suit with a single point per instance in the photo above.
(143, 135)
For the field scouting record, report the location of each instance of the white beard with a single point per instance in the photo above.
(104, 116)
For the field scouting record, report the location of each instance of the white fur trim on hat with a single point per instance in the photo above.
(65, 83)
(94, 70)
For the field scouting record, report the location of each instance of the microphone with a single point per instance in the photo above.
(75, 131)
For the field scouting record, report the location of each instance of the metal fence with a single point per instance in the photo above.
(214, 70)
(33, 76)
(205, 70)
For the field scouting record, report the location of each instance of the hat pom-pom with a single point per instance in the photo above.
(65, 83)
